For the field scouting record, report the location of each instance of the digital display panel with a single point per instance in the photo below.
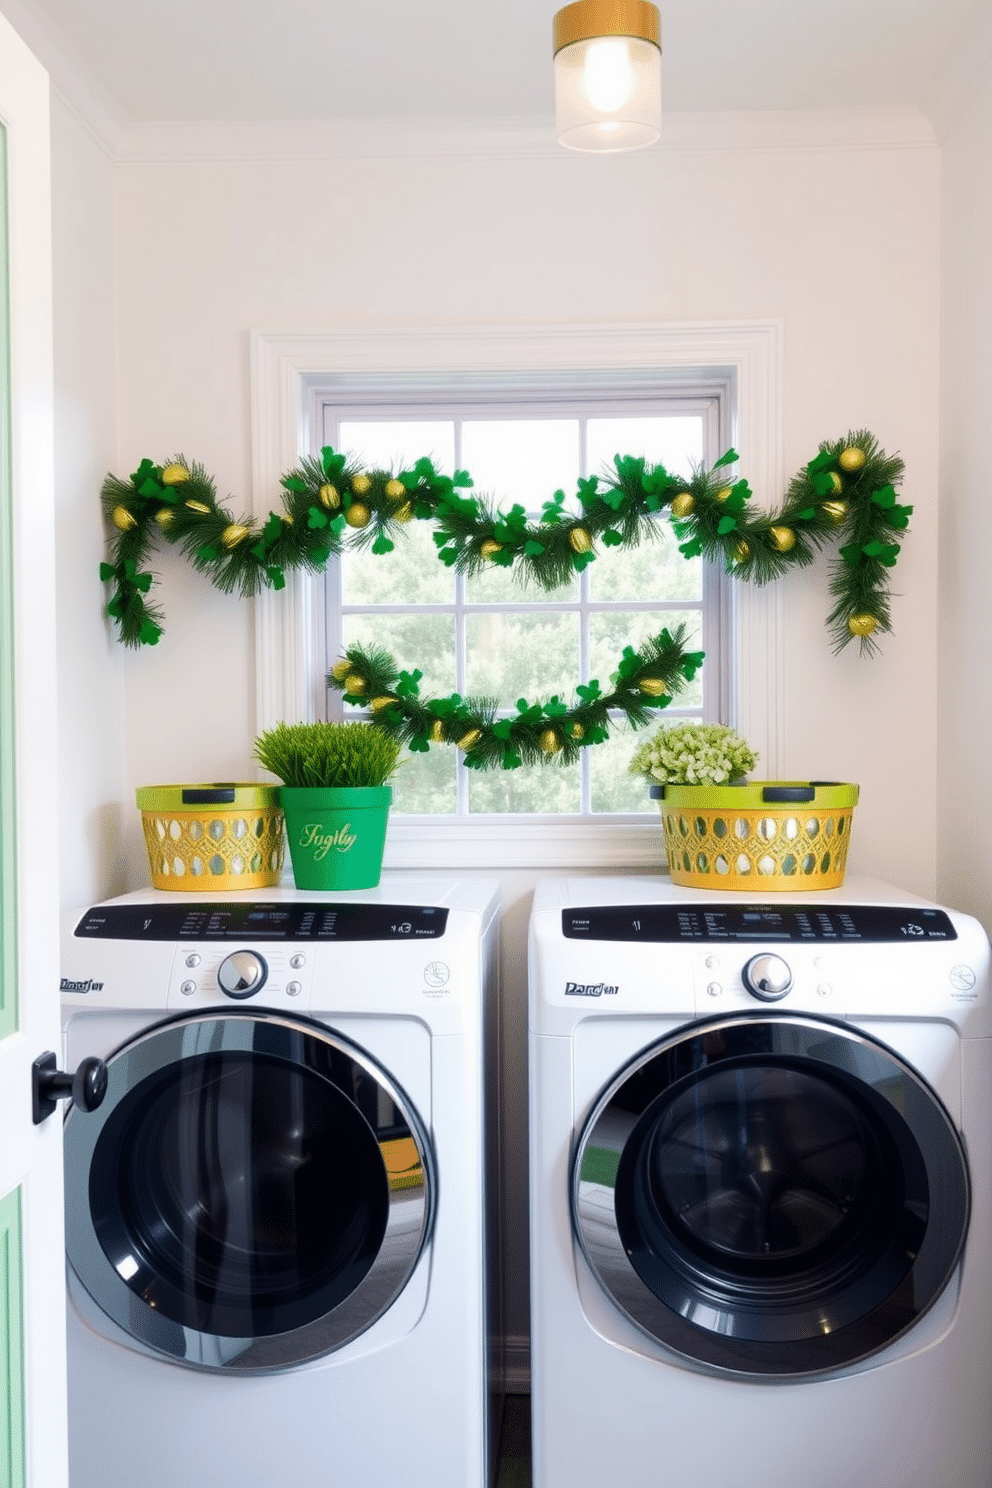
(260, 921)
(670, 924)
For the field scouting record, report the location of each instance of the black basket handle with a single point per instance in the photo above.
(208, 795)
(772, 793)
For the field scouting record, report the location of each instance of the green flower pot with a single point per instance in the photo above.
(336, 836)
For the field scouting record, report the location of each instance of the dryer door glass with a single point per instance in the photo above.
(771, 1196)
(237, 1204)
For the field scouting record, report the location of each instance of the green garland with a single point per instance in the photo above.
(330, 503)
(541, 732)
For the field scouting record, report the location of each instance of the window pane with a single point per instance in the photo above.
(521, 460)
(507, 586)
(411, 574)
(425, 783)
(532, 788)
(532, 655)
(612, 787)
(676, 443)
(654, 570)
(424, 641)
(397, 444)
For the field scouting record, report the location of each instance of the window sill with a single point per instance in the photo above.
(524, 842)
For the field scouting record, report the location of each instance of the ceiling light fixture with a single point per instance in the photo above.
(607, 75)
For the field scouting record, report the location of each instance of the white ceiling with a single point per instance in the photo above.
(190, 60)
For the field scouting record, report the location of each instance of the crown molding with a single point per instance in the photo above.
(967, 70)
(75, 86)
(513, 138)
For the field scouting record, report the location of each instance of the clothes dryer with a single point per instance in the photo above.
(279, 1221)
(761, 1188)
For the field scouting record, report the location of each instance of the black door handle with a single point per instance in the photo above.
(86, 1088)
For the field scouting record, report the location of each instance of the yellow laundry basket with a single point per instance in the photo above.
(775, 835)
(216, 836)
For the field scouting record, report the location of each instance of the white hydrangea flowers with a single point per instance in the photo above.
(694, 754)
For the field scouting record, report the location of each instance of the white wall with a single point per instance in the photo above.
(964, 838)
(92, 765)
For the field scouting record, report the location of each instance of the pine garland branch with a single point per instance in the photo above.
(329, 503)
(539, 733)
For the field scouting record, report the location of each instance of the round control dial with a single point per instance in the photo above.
(767, 977)
(241, 974)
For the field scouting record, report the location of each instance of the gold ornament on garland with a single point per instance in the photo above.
(234, 534)
(783, 539)
(712, 518)
(862, 625)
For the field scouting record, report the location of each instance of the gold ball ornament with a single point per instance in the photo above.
(330, 496)
(198, 506)
(174, 475)
(579, 540)
(404, 513)
(468, 741)
(287, 518)
(684, 504)
(361, 485)
(723, 493)
(358, 515)
(577, 732)
(652, 687)
(340, 670)
(852, 459)
(836, 482)
(234, 534)
(395, 489)
(437, 732)
(165, 516)
(122, 519)
(550, 741)
(836, 511)
(354, 684)
(862, 625)
(380, 704)
(490, 546)
(742, 550)
(782, 538)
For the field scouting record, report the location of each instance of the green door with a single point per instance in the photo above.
(32, 1287)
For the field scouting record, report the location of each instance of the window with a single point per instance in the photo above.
(294, 374)
(493, 636)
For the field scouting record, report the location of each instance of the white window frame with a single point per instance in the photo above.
(285, 370)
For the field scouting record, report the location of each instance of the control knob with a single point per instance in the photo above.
(241, 974)
(767, 977)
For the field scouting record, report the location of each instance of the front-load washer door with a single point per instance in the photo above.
(770, 1195)
(253, 1192)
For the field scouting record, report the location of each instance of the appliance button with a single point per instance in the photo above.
(714, 989)
(298, 960)
(293, 989)
(188, 988)
(963, 978)
(824, 989)
(193, 959)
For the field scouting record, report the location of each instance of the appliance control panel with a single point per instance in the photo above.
(767, 924)
(257, 922)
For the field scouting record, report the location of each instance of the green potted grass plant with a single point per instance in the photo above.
(335, 798)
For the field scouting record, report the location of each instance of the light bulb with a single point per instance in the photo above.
(608, 74)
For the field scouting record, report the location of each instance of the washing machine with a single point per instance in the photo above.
(761, 1217)
(280, 1220)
